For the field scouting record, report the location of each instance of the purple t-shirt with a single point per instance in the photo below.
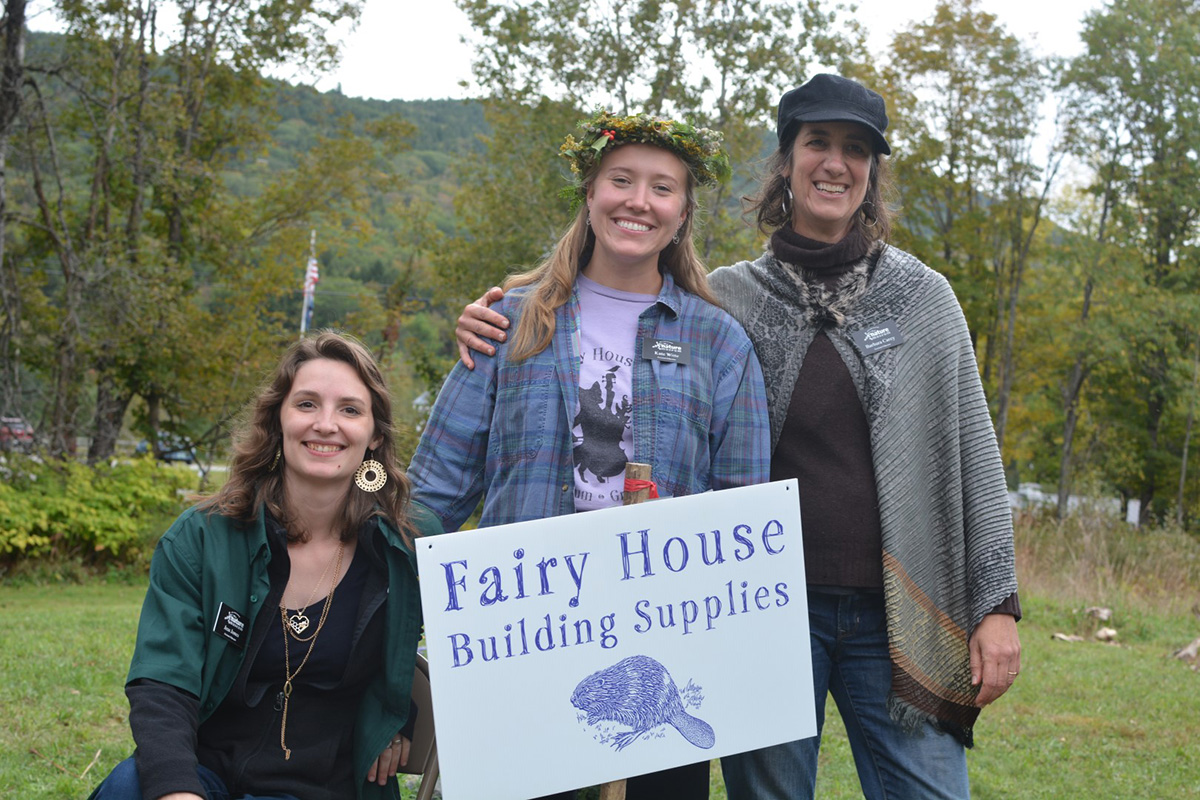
(603, 437)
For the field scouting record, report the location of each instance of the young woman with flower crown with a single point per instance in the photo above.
(545, 426)
(278, 638)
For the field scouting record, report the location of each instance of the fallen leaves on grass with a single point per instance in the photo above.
(61, 768)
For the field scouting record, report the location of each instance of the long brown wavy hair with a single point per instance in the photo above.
(874, 217)
(256, 478)
(554, 277)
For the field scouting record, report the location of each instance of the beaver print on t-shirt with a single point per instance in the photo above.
(602, 421)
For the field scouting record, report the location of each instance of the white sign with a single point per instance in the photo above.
(575, 650)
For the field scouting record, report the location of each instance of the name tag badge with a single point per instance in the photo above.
(231, 626)
(877, 337)
(667, 351)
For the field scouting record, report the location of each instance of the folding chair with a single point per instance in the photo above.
(422, 755)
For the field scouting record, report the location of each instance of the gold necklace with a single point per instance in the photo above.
(297, 623)
(289, 676)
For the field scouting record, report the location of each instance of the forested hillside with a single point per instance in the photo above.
(159, 197)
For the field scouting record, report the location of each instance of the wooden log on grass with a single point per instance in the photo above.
(1189, 653)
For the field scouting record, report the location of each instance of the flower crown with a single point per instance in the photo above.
(699, 148)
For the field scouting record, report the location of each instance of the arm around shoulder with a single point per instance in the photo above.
(741, 430)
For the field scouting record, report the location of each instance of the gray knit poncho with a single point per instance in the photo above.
(943, 504)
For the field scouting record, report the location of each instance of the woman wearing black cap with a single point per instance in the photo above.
(877, 410)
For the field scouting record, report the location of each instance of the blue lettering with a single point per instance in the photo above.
(712, 610)
(576, 576)
(719, 558)
(774, 528)
(637, 609)
(645, 552)
(543, 566)
(740, 539)
(548, 630)
(690, 612)
(667, 554)
(462, 645)
(518, 554)
(452, 582)
(497, 593)
(607, 623)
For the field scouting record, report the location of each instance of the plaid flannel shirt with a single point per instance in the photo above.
(503, 430)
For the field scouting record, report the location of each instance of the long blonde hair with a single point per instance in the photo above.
(256, 472)
(553, 279)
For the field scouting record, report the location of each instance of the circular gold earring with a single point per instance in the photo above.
(370, 475)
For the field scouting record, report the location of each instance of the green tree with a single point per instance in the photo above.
(968, 97)
(1133, 103)
(12, 75)
(720, 63)
(157, 264)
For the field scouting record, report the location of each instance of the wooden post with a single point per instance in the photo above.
(615, 790)
(636, 472)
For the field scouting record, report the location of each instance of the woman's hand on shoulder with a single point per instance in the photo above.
(995, 656)
(477, 323)
(394, 756)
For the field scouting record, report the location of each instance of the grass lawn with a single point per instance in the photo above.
(1085, 720)
(64, 652)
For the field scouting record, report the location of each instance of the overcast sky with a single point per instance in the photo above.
(411, 50)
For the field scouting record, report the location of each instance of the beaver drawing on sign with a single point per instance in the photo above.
(638, 692)
(602, 423)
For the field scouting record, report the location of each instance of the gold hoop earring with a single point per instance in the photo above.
(370, 475)
(275, 461)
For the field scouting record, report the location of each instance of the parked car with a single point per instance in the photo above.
(16, 434)
(171, 447)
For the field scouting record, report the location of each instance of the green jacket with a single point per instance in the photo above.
(204, 560)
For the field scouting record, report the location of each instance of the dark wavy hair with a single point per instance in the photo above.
(874, 217)
(256, 479)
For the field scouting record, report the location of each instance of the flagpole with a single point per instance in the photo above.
(311, 276)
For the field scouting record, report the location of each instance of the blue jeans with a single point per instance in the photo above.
(851, 662)
(123, 783)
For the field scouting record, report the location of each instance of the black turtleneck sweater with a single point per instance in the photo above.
(826, 443)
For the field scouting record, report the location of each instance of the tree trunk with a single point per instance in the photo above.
(1073, 390)
(12, 75)
(111, 404)
(1006, 356)
(1071, 394)
(1187, 434)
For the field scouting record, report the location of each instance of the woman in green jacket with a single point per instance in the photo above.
(277, 641)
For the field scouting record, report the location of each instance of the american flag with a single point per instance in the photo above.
(311, 276)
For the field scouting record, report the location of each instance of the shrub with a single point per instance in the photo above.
(1095, 559)
(64, 508)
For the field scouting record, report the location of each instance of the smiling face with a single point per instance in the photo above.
(327, 424)
(831, 169)
(637, 202)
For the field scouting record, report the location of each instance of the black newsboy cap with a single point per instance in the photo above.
(832, 98)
